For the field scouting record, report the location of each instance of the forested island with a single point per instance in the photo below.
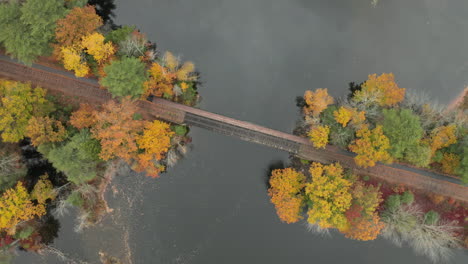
(60, 152)
(379, 122)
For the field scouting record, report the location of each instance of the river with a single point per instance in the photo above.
(255, 57)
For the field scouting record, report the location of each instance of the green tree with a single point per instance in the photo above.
(419, 155)
(77, 158)
(27, 30)
(403, 129)
(125, 77)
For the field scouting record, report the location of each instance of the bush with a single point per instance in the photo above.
(180, 130)
(419, 155)
(125, 77)
(407, 197)
(431, 218)
(393, 202)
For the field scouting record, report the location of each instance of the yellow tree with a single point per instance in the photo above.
(45, 129)
(381, 90)
(318, 135)
(343, 115)
(84, 117)
(117, 130)
(16, 206)
(450, 163)
(160, 81)
(94, 45)
(155, 142)
(72, 61)
(19, 103)
(370, 146)
(285, 193)
(43, 190)
(184, 72)
(317, 101)
(442, 137)
(329, 195)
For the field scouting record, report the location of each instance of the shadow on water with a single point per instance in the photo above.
(104, 8)
(275, 165)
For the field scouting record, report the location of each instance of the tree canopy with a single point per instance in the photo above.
(18, 104)
(403, 129)
(125, 77)
(27, 30)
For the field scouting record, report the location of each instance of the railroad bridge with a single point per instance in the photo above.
(89, 91)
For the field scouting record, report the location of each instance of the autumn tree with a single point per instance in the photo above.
(16, 206)
(73, 60)
(329, 196)
(317, 101)
(365, 229)
(94, 45)
(318, 135)
(45, 129)
(182, 72)
(125, 77)
(381, 90)
(43, 190)
(77, 158)
(78, 23)
(343, 115)
(11, 167)
(403, 129)
(442, 137)
(27, 29)
(370, 146)
(155, 142)
(19, 103)
(160, 82)
(285, 193)
(450, 163)
(117, 130)
(84, 117)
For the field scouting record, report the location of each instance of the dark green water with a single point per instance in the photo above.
(255, 57)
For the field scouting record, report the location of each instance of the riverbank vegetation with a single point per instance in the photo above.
(330, 197)
(73, 35)
(381, 122)
(58, 152)
(81, 144)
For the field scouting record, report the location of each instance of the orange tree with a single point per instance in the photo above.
(84, 117)
(16, 206)
(364, 222)
(80, 22)
(328, 195)
(316, 101)
(117, 130)
(365, 229)
(45, 129)
(160, 82)
(370, 146)
(285, 193)
(381, 90)
(155, 142)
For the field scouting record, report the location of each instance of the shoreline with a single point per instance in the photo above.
(457, 100)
